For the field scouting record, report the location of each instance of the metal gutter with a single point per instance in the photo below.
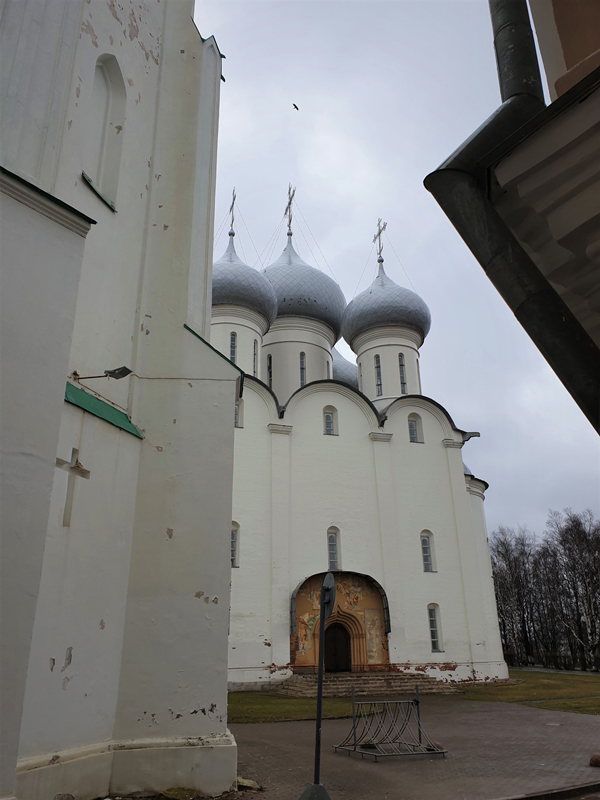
(460, 186)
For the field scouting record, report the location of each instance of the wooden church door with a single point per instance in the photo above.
(337, 649)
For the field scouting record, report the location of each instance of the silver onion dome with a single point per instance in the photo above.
(236, 284)
(344, 370)
(385, 303)
(303, 291)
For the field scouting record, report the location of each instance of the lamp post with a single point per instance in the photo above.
(315, 790)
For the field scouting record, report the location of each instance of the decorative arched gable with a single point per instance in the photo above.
(438, 412)
(342, 389)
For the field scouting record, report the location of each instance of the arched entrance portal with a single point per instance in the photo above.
(355, 633)
(337, 649)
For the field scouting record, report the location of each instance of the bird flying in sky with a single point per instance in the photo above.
(295, 106)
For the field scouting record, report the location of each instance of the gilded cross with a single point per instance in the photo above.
(377, 237)
(75, 470)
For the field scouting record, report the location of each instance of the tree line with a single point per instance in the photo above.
(548, 592)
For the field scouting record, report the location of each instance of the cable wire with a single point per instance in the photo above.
(401, 264)
(363, 271)
(316, 242)
(220, 231)
(249, 234)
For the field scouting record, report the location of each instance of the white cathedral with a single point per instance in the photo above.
(347, 468)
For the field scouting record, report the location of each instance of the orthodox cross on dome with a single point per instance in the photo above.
(288, 209)
(75, 470)
(232, 207)
(377, 237)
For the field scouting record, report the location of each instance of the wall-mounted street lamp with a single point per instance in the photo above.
(117, 374)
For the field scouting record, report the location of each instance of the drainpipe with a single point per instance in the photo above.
(460, 186)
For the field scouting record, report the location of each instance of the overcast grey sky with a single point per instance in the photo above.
(386, 91)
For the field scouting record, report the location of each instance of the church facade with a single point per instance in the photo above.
(350, 468)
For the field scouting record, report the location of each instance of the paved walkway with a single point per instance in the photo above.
(496, 750)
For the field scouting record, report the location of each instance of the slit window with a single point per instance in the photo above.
(402, 369)
(378, 383)
(415, 428)
(302, 369)
(239, 414)
(427, 552)
(333, 549)
(270, 371)
(433, 613)
(330, 427)
(232, 346)
(255, 359)
(235, 542)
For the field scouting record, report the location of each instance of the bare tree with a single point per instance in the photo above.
(548, 591)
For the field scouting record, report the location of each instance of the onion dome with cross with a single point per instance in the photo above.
(385, 304)
(302, 290)
(237, 284)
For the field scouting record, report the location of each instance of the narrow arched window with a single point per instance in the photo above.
(402, 368)
(330, 421)
(328, 371)
(105, 123)
(235, 544)
(232, 346)
(427, 551)
(415, 428)
(435, 629)
(378, 383)
(302, 369)
(360, 382)
(270, 371)
(333, 548)
(255, 359)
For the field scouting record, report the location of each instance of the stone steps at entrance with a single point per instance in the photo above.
(339, 684)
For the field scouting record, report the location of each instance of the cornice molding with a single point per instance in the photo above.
(375, 436)
(475, 486)
(239, 312)
(401, 336)
(40, 201)
(275, 427)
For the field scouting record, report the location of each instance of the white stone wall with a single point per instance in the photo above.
(41, 257)
(138, 585)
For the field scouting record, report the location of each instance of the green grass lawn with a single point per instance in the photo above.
(556, 691)
(269, 707)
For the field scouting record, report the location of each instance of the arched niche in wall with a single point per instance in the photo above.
(106, 122)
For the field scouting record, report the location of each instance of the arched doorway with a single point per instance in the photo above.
(361, 611)
(337, 649)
